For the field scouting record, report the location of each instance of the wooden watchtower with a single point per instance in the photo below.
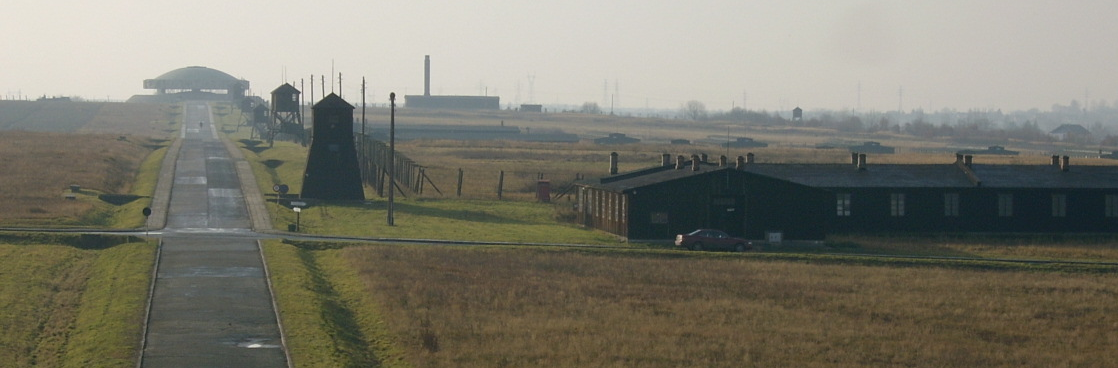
(287, 117)
(332, 172)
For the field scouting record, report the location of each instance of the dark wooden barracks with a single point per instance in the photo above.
(809, 201)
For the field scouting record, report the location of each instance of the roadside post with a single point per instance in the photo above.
(147, 213)
(297, 210)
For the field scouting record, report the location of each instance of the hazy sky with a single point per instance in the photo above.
(766, 54)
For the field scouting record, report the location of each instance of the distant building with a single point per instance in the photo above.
(872, 147)
(193, 83)
(616, 138)
(744, 142)
(469, 132)
(1063, 132)
(531, 108)
(427, 101)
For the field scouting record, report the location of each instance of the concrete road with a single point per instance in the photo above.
(211, 305)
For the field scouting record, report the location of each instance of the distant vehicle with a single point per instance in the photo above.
(872, 147)
(704, 239)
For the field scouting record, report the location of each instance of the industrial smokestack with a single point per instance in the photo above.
(427, 75)
(613, 163)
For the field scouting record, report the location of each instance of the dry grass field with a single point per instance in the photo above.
(38, 169)
(532, 307)
(48, 146)
(150, 120)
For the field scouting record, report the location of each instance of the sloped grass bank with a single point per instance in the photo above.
(327, 317)
(63, 305)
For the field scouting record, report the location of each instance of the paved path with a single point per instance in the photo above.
(211, 305)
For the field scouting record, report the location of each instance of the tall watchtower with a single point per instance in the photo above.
(332, 171)
(287, 117)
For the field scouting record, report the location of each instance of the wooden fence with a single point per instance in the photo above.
(413, 179)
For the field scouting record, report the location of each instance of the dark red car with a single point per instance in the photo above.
(709, 239)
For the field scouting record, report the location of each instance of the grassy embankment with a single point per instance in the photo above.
(72, 301)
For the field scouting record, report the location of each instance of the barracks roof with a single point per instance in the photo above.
(836, 176)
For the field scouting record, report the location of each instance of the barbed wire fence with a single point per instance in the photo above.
(416, 180)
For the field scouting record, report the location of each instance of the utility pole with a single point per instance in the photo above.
(362, 111)
(391, 158)
(363, 136)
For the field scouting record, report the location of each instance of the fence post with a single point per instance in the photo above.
(460, 182)
(500, 184)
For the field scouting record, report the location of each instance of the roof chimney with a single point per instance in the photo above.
(749, 158)
(613, 163)
(1065, 163)
(679, 162)
(703, 157)
(666, 160)
(968, 160)
(854, 158)
(427, 75)
(695, 162)
(741, 162)
(958, 158)
(1055, 160)
(862, 161)
(722, 161)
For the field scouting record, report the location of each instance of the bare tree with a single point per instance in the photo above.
(590, 108)
(693, 110)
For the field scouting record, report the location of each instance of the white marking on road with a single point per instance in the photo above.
(190, 180)
(225, 193)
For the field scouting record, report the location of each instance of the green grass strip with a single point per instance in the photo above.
(108, 326)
